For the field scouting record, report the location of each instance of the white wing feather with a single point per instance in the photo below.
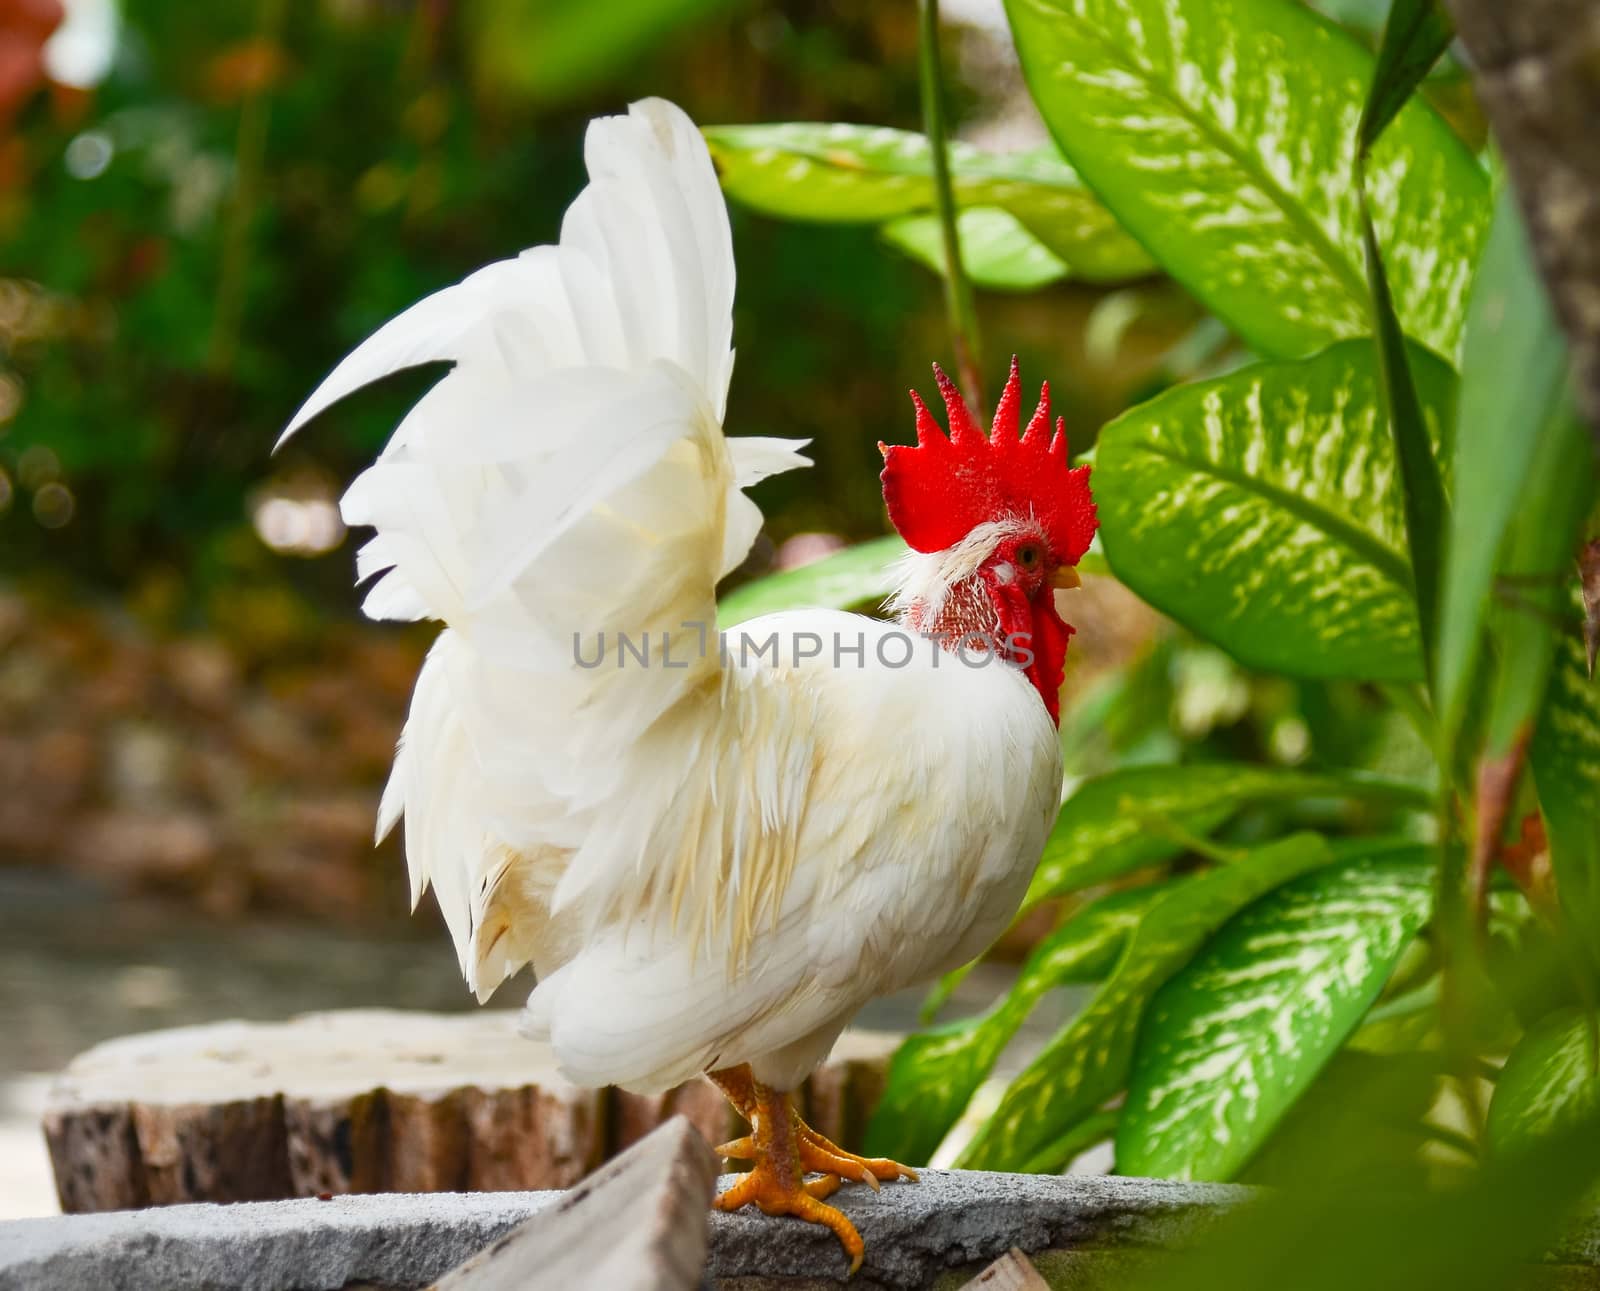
(566, 481)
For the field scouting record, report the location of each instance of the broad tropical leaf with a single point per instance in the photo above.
(1113, 823)
(1513, 381)
(1220, 131)
(849, 577)
(935, 1073)
(1550, 1081)
(868, 174)
(1232, 1041)
(1261, 510)
(997, 251)
(1087, 1061)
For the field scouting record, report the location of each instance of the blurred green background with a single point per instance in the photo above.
(202, 207)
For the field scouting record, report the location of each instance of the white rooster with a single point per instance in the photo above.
(712, 852)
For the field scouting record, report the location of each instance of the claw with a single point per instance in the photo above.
(819, 1154)
(739, 1149)
(815, 1157)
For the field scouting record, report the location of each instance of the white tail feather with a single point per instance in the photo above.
(567, 478)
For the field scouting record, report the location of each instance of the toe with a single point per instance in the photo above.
(740, 1193)
(825, 1187)
(809, 1208)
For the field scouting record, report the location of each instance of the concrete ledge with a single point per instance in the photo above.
(913, 1232)
(924, 1235)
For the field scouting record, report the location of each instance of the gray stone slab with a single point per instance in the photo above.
(958, 1218)
(913, 1232)
(398, 1240)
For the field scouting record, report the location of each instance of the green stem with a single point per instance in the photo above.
(1156, 823)
(1451, 1138)
(1411, 701)
(1056, 1156)
(963, 314)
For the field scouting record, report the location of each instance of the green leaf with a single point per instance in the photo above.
(998, 252)
(1549, 1082)
(1116, 822)
(1259, 510)
(1513, 383)
(1086, 1062)
(867, 174)
(845, 578)
(850, 577)
(1530, 611)
(1216, 131)
(1565, 759)
(1421, 493)
(934, 1074)
(1233, 1040)
(1057, 1155)
(1415, 36)
(554, 50)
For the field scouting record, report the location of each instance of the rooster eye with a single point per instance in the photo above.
(1028, 556)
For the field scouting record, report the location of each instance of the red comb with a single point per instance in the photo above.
(940, 490)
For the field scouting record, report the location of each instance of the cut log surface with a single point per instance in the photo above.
(371, 1101)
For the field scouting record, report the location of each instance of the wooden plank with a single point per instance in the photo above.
(638, 1224)
(1013, 1271)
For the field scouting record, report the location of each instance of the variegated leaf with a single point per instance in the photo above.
(996, 250)
(1231, 1041)
(1547, 1084)
(1114, 823)
(935, 1072)
(857, 574)
(1262, 510)
(1222, 134)
(866, 174)
(1087, 1061)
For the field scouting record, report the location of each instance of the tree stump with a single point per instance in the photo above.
(371, 1101)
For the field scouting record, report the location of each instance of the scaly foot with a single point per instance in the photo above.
(816, 1152)
(776, 1183)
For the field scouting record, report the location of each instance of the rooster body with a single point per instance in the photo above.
(711, 850)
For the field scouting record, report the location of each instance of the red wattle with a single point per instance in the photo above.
(1035, 627)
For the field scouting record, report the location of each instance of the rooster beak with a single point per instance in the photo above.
(1066, 577)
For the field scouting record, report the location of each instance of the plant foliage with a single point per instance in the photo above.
(1388, 495)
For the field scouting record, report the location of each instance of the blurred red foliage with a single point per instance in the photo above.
(25, 26)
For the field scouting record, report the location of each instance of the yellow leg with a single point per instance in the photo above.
(776, 1183)
(817, 1153)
